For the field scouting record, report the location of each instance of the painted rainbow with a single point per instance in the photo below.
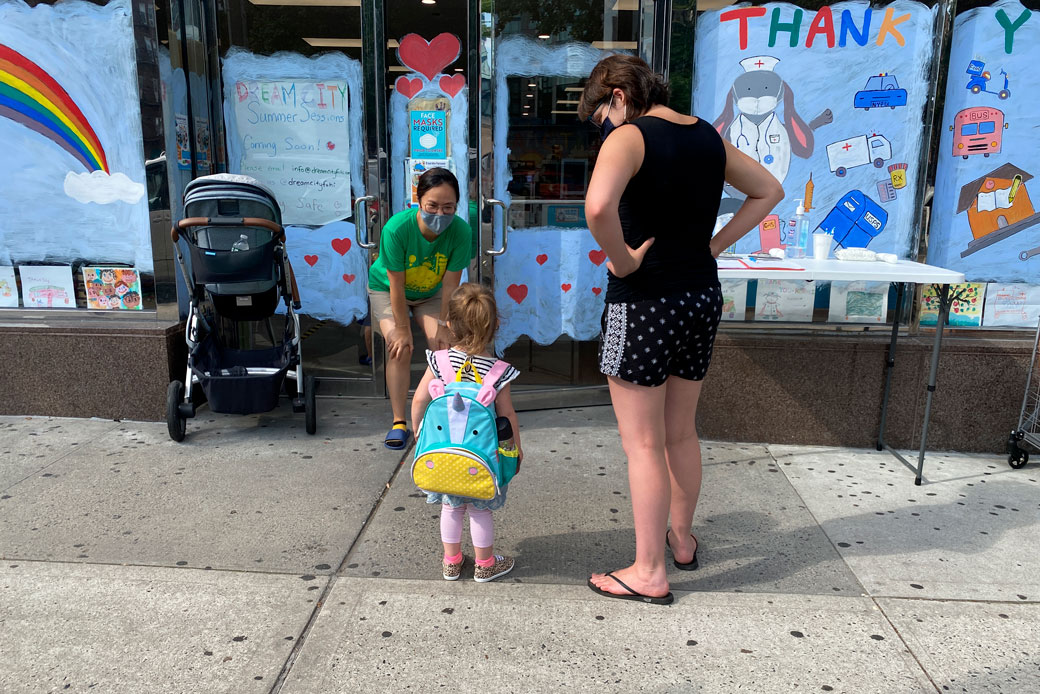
(30, 96)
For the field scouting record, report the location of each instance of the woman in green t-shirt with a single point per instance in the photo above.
(421, 257)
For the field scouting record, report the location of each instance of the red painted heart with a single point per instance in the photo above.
(341, 246)
(597, 257)
(565, 287)
(349, 278)
(541, 259)
(596, 290)
(310, 259)
(408, 87)
(518, 292)
(428, 58)
(452, 84)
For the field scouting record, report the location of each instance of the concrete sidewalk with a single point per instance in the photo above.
(254, 558)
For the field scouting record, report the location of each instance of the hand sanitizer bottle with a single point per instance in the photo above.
(803, 229)
(797, 233)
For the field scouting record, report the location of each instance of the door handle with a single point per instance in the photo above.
(505, 227)
(363, 240)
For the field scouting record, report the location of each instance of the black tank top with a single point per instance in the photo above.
(675, 199)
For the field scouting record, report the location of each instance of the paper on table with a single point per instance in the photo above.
(752, 263)
(732, 264)
(767, 264)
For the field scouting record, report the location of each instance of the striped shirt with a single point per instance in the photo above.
(481, 364)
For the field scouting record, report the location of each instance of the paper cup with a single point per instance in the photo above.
(821, 245)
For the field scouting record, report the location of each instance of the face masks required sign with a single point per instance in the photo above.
(428, 134)
(294, 138)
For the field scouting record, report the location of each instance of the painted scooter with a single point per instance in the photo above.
(980, 77)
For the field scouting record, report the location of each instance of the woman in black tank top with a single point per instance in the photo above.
(651, 205)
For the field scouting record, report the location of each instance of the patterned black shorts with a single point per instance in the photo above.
(647, 341)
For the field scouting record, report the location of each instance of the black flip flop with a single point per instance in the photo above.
(633, 595)
(690, 565)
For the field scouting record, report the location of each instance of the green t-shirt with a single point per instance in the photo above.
(402, 248)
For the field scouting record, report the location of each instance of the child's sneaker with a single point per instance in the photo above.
(452, 570)
(502, 566)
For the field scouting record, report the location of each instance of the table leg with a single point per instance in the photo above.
(945, 302)
(890, 362)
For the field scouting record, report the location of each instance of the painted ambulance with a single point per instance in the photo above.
(978, 130)
(857, 151)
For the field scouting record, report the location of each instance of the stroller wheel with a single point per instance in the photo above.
(176, 423)
(311, 415)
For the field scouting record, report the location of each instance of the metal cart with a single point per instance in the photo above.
(1028, 431)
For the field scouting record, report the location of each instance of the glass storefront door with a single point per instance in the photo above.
(318, 100)
(303, 111)
(548, 273)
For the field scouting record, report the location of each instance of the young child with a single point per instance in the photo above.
(472, 319)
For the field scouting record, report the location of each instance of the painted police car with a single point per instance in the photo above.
(880, 90)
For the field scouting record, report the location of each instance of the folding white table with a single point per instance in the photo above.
(901, 273)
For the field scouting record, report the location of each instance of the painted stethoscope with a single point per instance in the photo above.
(743, 143)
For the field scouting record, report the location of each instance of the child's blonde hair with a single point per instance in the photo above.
(473, 317)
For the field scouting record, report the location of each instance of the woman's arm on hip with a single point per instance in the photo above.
(763, 193)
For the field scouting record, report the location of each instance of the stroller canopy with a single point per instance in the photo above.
(233, 186)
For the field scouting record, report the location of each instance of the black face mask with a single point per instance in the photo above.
(606, 127)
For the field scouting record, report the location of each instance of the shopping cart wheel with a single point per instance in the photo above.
(1017, 456)
(176, 423)
(311, 414)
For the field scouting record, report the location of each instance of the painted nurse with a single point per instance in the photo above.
(754, 122)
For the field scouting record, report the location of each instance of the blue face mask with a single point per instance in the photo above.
(437, 223)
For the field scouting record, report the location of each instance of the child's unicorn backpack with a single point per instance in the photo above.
(456, 450)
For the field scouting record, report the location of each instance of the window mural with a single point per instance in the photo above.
(294, 123)
(71, 127)
(831, 102)
(984, 222)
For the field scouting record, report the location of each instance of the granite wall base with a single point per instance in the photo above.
(816, 389)
(90, 368)
(827, 389)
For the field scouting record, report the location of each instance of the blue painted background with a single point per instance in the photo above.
(978, 35)
(89, 50)
(823, 78)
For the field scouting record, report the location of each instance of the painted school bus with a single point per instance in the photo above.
(978, 130)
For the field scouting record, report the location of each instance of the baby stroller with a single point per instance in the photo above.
(236, 244)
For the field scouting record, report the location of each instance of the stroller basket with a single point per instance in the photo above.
(238, 381)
